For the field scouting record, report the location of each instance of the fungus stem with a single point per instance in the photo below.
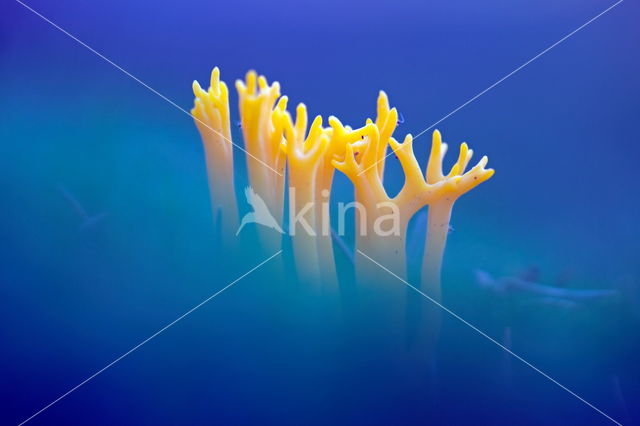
(303, 231)
(324, 242)
(437, 231)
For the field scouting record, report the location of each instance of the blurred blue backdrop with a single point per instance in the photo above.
(561, 134)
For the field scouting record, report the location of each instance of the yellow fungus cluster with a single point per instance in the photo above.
(273, 140)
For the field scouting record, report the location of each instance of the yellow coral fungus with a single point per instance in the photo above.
(436, 190)
(211, 115)
(274, 140)
(304, 152)
(262, 141)
(339, 137)
(454, 184)
(365, 167)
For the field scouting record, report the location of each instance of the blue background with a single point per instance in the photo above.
(561, 134)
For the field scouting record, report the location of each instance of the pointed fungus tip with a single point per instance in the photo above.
(196, 87)
(215, 77)
(282, 103)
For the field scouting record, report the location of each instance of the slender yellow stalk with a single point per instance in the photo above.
(304, 153)
(456, 183)
(379, 235)
(363, 163)
(437, 231)
(211, 115)
(339, 137)
(450, 188)
(324, 243)
(436, 190)
(262, 141)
